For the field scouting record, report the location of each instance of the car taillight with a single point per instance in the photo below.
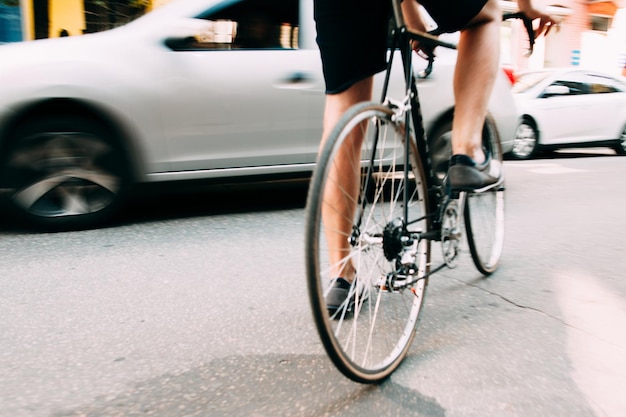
(510, 74)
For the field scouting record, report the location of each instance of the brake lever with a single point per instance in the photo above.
(429, 68)
(430, 56)
(528, 25)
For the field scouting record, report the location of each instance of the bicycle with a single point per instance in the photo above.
(402, 208)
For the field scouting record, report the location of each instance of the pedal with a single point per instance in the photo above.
(451, 232)
(451, 251)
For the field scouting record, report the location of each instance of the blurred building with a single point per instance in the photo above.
(37, 19)
(10, 22)
(592, 32)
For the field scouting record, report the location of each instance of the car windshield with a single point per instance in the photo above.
(528, 80)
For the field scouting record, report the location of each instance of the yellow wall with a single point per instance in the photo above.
(63, 14)
(28, 29)
(68, 15)
(157, 3)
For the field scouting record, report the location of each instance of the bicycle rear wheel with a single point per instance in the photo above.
(484, 216)
(367, 337)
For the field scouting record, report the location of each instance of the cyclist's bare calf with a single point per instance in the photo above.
(474, 77)
(477, 65)
(342, 177)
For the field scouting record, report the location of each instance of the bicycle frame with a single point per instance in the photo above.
(410, 107)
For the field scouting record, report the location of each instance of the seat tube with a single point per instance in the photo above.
(397, 13)
(408, 73)
(415, 115)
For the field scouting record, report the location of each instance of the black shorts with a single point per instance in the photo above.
(352, 34)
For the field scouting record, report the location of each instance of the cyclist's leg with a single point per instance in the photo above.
(353, 45)
(474, 77)
(343, 186)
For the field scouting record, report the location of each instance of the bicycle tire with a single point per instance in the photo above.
(484, 216)
(368, 343)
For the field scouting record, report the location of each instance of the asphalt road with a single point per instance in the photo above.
(194, 304)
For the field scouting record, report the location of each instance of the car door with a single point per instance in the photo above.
(606, 108)
(241, 90)
(562, 118)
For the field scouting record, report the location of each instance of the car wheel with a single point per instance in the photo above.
(620, 148)
(440, 146)
(525, 141)
(63, 173)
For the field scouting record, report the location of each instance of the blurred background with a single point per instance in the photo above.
(592, 34)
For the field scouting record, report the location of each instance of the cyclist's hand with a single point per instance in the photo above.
(546, 22)
(415, 22)
(423, 51)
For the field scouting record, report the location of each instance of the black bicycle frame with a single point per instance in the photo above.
(401, 38)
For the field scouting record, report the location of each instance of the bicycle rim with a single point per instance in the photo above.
(484, 217)
(367, 341)
(484, 221)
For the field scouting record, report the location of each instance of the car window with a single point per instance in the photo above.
(601, 85)
(574, 81)
(575, 87)
(248, 24)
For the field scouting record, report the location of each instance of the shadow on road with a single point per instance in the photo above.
(266, 385)
(167, 201)
(154, 202)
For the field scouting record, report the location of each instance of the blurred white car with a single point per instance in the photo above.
(569, 108)
(196, 89)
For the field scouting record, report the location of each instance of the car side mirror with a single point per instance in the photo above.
(555, 90)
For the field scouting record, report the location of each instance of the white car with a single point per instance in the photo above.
(196, 89)
(569, 108)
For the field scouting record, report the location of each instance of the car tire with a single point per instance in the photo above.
(526, 141)
(620, 147)
(440, 145)
(63, 173)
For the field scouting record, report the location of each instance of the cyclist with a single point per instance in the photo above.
(352, 37)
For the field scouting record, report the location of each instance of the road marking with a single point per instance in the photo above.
(596, 340)
(549, 168)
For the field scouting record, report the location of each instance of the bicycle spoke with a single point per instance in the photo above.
(484, 218)
(367, 335)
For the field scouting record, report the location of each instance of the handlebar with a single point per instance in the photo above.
(528, 25)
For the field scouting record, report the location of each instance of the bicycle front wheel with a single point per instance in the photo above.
(369, 334)
(484, 216)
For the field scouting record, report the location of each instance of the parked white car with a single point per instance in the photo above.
(196, 89)
(570, 107)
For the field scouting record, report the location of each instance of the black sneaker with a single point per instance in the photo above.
(465, 174)
(337, 297)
